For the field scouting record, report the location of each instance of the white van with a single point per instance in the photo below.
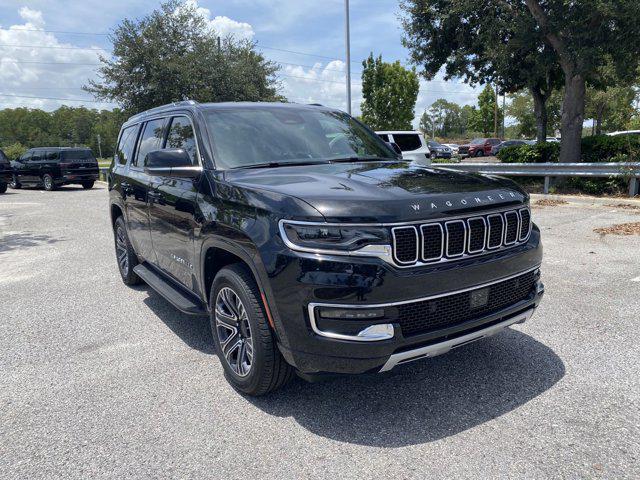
(412, 144)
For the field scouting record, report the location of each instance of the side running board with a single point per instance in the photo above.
(173, 294)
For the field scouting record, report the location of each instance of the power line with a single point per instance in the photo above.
(54, 47)
(54, 98)
(54, 31)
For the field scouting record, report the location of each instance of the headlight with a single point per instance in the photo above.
(331, 237)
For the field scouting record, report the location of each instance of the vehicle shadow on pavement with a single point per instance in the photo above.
(424, 401)
(193, 330)
(15, 241)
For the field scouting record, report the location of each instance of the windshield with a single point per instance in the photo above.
(3, 157)
(434, 144)
(477, 141)
(252, 135)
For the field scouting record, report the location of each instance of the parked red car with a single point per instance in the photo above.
(478, 147)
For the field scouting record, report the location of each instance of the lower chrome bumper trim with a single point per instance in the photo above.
(443, 347)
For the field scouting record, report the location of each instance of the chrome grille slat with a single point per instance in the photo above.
(449, 240)
(404, 251)
(452, 236)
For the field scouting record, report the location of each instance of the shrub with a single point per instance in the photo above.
(14, 150)
(538, 153)
(602, 148)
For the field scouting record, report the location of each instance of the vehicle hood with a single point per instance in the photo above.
(382, 191)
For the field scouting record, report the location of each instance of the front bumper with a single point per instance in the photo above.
(304, 282)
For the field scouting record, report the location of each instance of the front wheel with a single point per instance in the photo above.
(243, 339)
(47, 181)
(126, 256)
(88, 184)
(479, 153)
(15, 184)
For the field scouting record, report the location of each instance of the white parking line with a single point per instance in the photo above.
(637, 279)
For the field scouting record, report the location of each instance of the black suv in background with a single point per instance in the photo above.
(5, 172)
(52, 167)
(308, 242)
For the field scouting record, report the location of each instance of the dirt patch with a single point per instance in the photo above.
(547, 202)
(625, 206)
(620, 229)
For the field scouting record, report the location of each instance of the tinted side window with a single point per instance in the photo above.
(384, 136)
(53, 154)
(151, 139)
(407, 141)
(37, 156)
(127, 142)
(181, 135)
(25, 157)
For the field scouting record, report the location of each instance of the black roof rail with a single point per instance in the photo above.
(315, 104)
(162, 107)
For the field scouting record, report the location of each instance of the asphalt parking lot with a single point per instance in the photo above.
(98, 380)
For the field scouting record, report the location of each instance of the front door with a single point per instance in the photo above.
(172, 204)
(137, 189)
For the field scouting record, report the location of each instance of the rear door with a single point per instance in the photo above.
(137, 186)
(21, 167)
(172, 206)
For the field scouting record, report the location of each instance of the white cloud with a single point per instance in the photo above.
(325, 84)
(34, 63)
(223, 26)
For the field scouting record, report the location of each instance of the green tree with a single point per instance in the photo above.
(484, 118)
(508, 41)
(483, 42)
(587, 35)
(172, 54)
(389, 94)
(521, 108)
(14, 150)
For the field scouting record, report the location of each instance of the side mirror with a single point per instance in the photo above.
(394, 146)
(170, 162)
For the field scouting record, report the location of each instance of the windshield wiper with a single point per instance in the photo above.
(362, 159)
(281, 164)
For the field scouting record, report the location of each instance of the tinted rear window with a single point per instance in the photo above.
(3, 157)
(407, 141)
(76, 155)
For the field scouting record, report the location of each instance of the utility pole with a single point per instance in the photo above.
(504, 134)
(495, 114)
(99, 147)
(348, 56)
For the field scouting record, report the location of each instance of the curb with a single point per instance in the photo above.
(586, 200)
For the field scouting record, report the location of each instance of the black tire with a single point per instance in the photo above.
(479, 153)
(48, 183)
(268, 370)
(88, 184)
(15, 184)
(125, 255)
(3, 187)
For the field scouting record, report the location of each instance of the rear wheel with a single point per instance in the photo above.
(3, 187)
(244, 341)
(479, 153)
(126, 256)
(47, 181)
(88, 184)
(15, 184)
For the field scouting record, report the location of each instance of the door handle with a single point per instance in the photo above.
(126, 188)
(154, 197)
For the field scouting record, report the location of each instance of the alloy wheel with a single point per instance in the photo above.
(234, 331)
(121, 251)
(47, 182)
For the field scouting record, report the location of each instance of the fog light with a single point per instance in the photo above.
(352, 313)
(384, 331)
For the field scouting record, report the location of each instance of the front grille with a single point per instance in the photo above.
(405, 241)
(448, 240)
(445, 312)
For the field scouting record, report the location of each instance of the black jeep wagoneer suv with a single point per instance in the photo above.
(310, 244)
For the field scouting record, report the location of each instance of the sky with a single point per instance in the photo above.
(49, 49)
